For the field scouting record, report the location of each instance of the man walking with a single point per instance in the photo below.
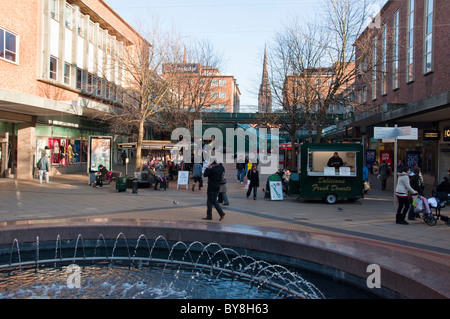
(197, 174)
(214, 173)
(240, 166)
(43, 167)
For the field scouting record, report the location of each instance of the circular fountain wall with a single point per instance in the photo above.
(154, 269)
(339, 258)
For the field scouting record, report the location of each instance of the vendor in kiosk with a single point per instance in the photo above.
(335, 161)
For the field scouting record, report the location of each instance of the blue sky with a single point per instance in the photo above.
(238, 29)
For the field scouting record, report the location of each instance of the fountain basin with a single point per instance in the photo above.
(403, 273)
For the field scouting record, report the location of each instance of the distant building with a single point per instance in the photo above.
(265, 94)
(205, 88)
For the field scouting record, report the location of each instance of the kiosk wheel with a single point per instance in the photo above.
(331, 198)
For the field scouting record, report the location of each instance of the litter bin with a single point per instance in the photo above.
(121, 184)
(294, 184)
(135, 185)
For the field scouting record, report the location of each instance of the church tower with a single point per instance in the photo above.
(265, 94)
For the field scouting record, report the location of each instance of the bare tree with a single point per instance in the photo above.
(192, 86)
(314, 62)
(144, 93)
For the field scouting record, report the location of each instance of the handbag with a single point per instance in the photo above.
(223, 180)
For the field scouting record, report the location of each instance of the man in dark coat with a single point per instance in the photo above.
(214, 173)
(253, 177)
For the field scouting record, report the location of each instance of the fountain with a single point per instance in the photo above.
(144, 268)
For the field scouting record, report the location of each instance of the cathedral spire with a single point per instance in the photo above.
(265, 94)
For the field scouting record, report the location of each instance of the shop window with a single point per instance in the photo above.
(319, 163)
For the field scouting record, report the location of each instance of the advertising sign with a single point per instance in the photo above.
(412, 157)
(99, 152)
(371, 156)
(276, 190)
(183, 179)
(387, 156)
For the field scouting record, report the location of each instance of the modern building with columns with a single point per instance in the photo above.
(59, 60)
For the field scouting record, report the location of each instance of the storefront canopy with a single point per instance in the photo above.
(149, 145)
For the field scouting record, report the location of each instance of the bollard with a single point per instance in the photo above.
(135, 185)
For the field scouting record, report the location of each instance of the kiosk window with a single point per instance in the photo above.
(331, 163)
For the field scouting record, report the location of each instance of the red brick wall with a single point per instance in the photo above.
(424, 85)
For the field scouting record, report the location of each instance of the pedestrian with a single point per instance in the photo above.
(247, 163)
(43, 166)
(223, 189)
(240, 166)
(366, 183)
(335, 161)
(197, 174)
(414, 181)
(124, 157)
(285, 180)
(214, 173)
(401, 191)
(102, 176)
(384, 174)
(253, 177)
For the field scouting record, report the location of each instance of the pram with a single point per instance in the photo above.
(426, 206)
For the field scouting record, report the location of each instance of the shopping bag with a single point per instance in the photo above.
(247, 185)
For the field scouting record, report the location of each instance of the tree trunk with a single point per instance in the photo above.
(318, 133)
(293, 158)
(139, 147)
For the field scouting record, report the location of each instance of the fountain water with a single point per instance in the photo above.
(150, 270)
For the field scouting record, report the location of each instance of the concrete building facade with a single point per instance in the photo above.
(59, 60)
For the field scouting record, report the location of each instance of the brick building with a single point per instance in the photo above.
(205, 88)
(58, 60)
(404, 80)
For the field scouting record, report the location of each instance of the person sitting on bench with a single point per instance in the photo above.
(102, 176)
(152, 174)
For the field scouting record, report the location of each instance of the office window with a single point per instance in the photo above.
(100, 38)
(68, 17)
(222, 95)
(80, 25)
(214, 83)
(54, 9)
(8, 46)
(383, 63)
(214, 95)
(66, 73)
(90, 82)
(374, 69)
(428, 59)
(395, 55)
(91, 32)
(79, 79)
(223, 82)
(53, 68)
(410, 43)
